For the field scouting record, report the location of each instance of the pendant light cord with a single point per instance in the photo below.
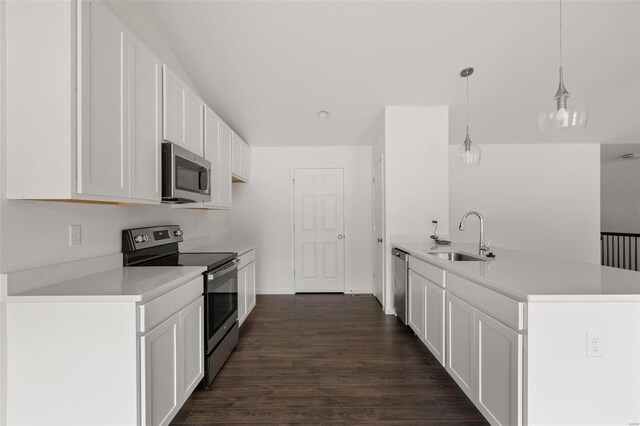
(467, 78)
(560, 28)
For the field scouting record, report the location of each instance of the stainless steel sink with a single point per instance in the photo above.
(456, 256)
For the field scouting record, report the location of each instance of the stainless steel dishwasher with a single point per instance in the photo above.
(400, 282)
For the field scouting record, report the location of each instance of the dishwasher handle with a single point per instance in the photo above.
(403, 255)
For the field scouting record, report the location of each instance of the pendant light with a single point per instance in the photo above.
(566, 112)
(468, 152)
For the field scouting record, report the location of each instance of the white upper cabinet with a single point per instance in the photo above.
(145, 92)
(241, 162)
(225, 165)
(102, 112)
(103, 107)
(183, 114)
(217, 149)
(173, 107)
(193, 122)
(96, 133)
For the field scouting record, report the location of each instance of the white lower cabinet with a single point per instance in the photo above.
(416, 304)
(160, 368)
(426, 313)
(434, 320)
(485, 358)
(482, 354)
(117, 362)
(246, 285)
(192, 345)
(172, 363)
(460, 344)
(499, 371)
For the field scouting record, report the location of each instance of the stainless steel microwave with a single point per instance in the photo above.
(185, 175)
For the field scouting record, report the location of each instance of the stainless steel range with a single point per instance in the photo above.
(158, 246)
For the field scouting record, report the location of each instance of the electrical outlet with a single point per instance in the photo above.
(595, 343)
(75, 235)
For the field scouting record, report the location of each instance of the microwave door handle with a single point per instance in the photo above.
(203, 180)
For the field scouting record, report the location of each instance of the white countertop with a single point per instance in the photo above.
(123, 284)
(533, 277)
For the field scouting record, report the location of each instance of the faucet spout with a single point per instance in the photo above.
(482, 248)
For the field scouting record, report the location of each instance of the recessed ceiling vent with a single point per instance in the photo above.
(631, 156)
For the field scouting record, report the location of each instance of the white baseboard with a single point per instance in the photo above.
(274, 291)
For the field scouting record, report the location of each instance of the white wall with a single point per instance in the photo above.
(34, 233)
(536, 198)
(416, 149)
(262, 210)
(620, 195)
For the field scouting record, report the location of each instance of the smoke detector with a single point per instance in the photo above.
(631, 156)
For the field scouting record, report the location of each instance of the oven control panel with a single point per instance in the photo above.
(143, 238)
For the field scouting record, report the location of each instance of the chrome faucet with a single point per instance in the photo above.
(482, 248)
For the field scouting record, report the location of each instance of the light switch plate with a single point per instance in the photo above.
(595, 343)
(75, 235)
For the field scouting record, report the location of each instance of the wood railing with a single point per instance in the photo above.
(620, 250)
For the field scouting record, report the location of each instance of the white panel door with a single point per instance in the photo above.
(172, 107)
(145, 121)
(103, 148)
(319, 230)
(434, 318)
(192, 347)
(416, 304)
(499, 371)
(378, 233)
(160, 373)
(460, 359)
(193, 125)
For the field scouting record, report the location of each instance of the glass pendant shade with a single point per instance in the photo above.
(564, 113)
(468, 153)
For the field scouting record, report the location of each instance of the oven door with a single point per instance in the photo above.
(221, 302)
(185, 175)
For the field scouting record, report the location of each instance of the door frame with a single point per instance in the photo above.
(292, 222)
(384, 234)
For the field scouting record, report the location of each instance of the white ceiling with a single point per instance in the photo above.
(267, 67)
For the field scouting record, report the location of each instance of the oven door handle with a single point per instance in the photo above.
(220, 272)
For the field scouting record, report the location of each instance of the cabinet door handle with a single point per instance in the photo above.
(340, 236)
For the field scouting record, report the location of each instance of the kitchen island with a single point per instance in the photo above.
(521, 332)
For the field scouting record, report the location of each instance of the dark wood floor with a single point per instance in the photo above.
(325, 359)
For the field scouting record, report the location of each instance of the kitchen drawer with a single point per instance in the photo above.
(427, 270)
(500, 307)
(159, 309)
(247, 258)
